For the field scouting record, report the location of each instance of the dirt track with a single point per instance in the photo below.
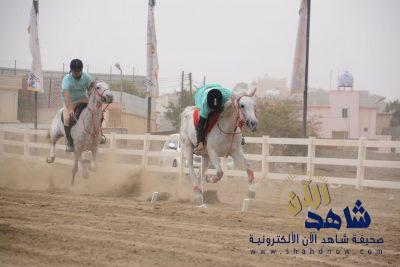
(100, 223)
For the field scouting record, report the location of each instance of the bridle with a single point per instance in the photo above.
(96, 91)
(96, 130)
(240, 119)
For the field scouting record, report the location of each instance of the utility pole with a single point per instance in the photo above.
(190, 83)
(118, 66)
(182, 84)
(204, 80)
(305, 95)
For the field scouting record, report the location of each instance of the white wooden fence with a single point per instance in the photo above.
(264, 157)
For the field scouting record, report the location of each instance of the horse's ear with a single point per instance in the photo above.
(252, 91)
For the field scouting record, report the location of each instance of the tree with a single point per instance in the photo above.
(393, 107)
(282, 118)
(173, 113)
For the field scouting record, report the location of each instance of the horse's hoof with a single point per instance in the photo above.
(202, 206)
(251, 194)
(86, 162)
(86, 174)
(92, 168)
(212, 179)
(50, 159)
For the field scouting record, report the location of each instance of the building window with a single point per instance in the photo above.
(365, 129)
(344, 113)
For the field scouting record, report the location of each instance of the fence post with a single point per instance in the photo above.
(360, 162)
(113, 143)
(265, 154)
(26, 143)
(145, 149)
(311, 156)
(1, 144)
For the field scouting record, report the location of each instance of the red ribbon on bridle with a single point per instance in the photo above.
(240, 119)
(96, 130)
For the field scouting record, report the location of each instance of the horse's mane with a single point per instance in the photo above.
(229, 105)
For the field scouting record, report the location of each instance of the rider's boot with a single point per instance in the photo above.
(199, 149)
(70, 141)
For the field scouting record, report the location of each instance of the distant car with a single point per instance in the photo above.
(175, 146)
(174, 161)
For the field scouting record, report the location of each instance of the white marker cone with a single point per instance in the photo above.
(245, 206)
(154, 197)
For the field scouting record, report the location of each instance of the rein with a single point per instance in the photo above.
(240, 121)
(96, 130)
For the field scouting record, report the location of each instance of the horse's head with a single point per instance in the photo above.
(245, 106)
(101, 91)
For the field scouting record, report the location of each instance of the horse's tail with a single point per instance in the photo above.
(187, 111)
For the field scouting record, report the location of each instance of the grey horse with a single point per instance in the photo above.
(223, 140)
(86, 133)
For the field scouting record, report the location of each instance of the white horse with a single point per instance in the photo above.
(86, 133)
(223, 140)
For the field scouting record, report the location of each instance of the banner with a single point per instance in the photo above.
(35, 78)
(299, 63)
(152, 58)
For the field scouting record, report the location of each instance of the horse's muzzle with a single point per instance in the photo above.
(107, 99)
(252, 125)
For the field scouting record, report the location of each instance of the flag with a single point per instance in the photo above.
(299, 62)
(152, 58)
(35, 77)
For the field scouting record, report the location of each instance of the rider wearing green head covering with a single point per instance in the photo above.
(208, 98)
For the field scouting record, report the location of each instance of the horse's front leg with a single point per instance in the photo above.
(216, 162)
(240, 160)
(75, 167)
(94, 166)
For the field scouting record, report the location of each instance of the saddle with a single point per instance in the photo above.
(77, 112)
(211, 120)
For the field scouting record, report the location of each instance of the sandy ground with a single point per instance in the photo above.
(108, 221)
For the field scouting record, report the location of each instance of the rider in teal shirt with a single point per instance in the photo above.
(208, 98)
(73, 93)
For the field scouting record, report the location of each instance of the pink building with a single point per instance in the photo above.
(346, 114)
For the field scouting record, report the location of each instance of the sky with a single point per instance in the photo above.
(226, 41)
